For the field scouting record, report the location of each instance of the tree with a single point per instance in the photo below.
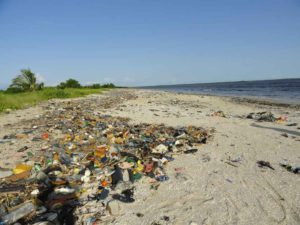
(26, 81)
(70, 83)
(97, 86)
(93, 86)
(108, 85)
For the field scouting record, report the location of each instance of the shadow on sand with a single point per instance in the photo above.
(291, 132)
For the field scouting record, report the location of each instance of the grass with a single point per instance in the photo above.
(25, 99)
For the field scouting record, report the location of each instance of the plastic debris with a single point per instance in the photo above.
(18, 212)
(20, 168)
(267, 117)
(292, 169)
(262, 116)
(161, 149)
(90, 169)
(281, 119)
(5, 173)
(264, 164)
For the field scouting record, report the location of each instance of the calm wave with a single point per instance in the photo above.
(287, 90)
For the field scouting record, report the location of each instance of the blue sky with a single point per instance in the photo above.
(146, 42)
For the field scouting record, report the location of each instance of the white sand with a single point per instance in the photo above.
(213, 192)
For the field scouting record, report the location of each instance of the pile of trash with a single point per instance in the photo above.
(79, 177)
(266, 116)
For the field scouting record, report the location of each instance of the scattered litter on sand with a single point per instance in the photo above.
(267, 117)
(264, 164)
(87, 173)
(292, 169)
(262, 116)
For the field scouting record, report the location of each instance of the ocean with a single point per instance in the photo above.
(282, 90)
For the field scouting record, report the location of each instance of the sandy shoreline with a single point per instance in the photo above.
(208, 190)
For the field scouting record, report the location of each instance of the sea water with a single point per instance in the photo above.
(283, 90)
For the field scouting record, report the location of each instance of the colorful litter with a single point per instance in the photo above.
(82, 175)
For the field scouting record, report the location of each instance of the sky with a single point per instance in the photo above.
(149, 42)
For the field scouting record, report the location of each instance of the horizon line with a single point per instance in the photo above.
(218, 82)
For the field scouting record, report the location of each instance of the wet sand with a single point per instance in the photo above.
(219, 184)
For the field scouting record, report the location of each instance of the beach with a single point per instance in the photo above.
(222, 182)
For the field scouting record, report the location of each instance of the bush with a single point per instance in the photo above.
(108, 85)
(70, 83)
(24, 99)
(98, 86)
(55, 93)
(11, 90)
(95, 86)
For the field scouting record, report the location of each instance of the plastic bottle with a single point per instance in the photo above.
(18, 213)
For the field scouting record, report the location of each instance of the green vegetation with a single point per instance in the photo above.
(24, 99)
(26, 81)
(25, 91)
(70, 83)
(95, 86)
